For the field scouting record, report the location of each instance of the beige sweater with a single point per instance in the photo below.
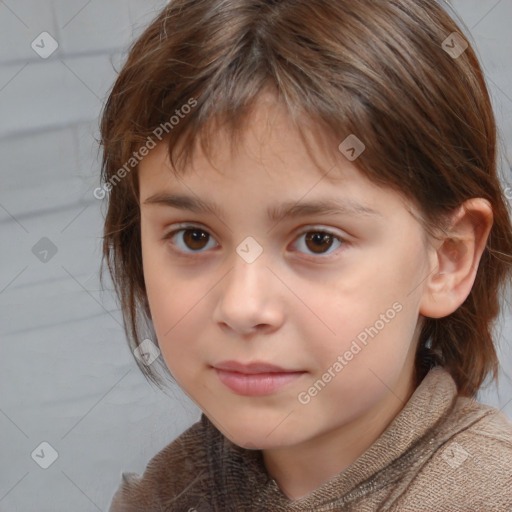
(440, 453)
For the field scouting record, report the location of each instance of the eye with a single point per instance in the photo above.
(193, 237)
(319, 241)
(190, 239)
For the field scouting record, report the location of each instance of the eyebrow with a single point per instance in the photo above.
(275, 213)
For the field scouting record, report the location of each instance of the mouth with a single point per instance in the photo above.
(252, 368)
(255, 379)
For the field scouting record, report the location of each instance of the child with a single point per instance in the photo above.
(304, 205)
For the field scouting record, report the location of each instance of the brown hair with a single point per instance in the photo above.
(373, 68)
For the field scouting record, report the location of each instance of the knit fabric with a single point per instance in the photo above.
(442, 452)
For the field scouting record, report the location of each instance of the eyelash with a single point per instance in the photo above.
(312, 229)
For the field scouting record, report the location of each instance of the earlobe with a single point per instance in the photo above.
(456, 259)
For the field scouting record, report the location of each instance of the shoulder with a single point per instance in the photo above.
(487, 440)
(471, 469)
(168, 473)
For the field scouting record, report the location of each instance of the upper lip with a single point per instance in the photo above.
(254, 367)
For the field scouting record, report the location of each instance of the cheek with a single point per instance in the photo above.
(162, 288)
(176, 303)
(175, 317)
(173, 306)
(371, 316)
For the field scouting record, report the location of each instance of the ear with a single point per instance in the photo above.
(455, 259)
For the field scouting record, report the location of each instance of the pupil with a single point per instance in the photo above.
(318, 238)
(197, 236)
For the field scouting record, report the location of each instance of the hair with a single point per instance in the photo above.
(373, 68)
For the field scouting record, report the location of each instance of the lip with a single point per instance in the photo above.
(251, 368)
(254, 379)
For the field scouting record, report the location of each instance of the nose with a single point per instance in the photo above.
(250, 297)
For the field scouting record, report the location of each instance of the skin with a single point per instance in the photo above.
(295, 306)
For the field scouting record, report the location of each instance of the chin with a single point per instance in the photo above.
(257, 443)
(262, 438)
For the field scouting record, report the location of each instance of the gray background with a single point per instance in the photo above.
(66, 375)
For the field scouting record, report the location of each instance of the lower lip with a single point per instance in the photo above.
(256, 384)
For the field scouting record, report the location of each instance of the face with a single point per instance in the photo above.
(331, 297)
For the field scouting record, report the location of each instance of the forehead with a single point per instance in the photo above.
(269, 139)
(279, 174)
(253, 193)
(294, 172)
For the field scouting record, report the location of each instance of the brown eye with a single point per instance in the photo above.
(195, 239)
(190, 240)
(319, 241)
